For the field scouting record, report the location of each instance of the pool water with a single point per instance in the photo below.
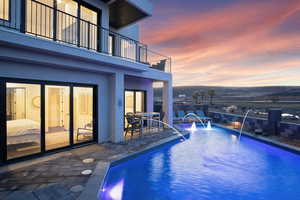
(210, 165)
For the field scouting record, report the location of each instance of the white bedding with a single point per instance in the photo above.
(22, 127)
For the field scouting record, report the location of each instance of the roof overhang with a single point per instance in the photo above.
(125, 12)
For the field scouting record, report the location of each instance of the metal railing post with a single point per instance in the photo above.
(55, 21)
(137, 54)
(78, 27)
(89, 32)
(23, 16)
(99, 38)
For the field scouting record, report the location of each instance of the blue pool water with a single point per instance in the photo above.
(210, 165)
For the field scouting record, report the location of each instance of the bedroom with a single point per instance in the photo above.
(24, 116)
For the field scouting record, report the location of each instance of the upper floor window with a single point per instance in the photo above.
(111, 44)
(4, 9)
(88, 28)
(63, 20)
(128, 49)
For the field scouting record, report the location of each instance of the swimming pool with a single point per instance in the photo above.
(210, 165)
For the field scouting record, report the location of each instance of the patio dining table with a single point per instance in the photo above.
(148, 117)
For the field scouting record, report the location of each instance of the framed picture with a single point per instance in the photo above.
(36, 101)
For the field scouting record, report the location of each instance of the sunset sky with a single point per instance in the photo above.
(227, 42)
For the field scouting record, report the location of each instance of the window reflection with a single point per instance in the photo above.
(83, 114)
(23, 119)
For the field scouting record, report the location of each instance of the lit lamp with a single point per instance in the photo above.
(236, 124)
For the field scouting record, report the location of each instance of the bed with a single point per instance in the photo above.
(23, 131)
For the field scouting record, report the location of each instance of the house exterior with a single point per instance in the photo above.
(70, 70)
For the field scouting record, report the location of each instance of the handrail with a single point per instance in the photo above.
(52, 23)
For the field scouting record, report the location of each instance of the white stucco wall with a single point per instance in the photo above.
(131, 31)
(37, 72)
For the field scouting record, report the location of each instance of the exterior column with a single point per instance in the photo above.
(117, 107)
(168, 101)
(274, 119)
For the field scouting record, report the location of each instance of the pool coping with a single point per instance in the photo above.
(265, 140)
(97, 179)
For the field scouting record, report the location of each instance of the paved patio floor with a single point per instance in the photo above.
(58, 176)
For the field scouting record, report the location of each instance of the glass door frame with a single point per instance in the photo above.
(134, 102)
(3, 118)
(134, 99)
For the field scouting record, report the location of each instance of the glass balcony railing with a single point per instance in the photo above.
(44, 20)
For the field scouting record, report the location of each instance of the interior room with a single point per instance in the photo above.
(24, 113)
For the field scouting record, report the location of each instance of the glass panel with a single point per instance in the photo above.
(4, 9)
(67, 23)
(83, 114)
(57, 111)
(39, 18)
(139, 102)
(67, 6)
(23, 119)
(129, 103)
(128, 49)
(88, 28)
(110, 44)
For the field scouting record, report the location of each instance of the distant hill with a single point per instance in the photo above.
(237, 92)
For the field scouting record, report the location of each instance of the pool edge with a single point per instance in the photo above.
(96, 181)
(265, 140)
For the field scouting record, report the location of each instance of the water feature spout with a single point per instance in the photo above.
(208, 127)
(193, 127)
(241, 130)
(168, 125)
(196, 116)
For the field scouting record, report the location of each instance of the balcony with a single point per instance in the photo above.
(44, 21)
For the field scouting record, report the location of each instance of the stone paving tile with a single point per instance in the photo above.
(21, 195)
(4, 194)
(53, 178)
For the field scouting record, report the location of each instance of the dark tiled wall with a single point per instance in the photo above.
(289, 130)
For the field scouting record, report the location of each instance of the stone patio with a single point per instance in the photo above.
(58, 176)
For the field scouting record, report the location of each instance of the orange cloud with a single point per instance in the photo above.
(203, 43)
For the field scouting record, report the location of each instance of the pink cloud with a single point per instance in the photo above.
(217, 40)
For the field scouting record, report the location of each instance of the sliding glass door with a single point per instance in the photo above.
(140, 101)
(57, 115)
(129, 102)
(83, 114)
(23, 119)
(135, 101)
(44, 116)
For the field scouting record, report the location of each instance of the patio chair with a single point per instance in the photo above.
(87, 130)
(175, 118)
(181, 114)
(202, 116)
(189, 111)
(161, 65)
(133, 123)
